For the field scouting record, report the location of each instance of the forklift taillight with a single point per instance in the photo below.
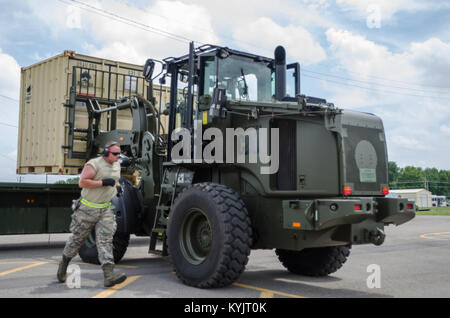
(347, 190)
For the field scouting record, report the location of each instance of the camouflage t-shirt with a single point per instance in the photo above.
(104, 170)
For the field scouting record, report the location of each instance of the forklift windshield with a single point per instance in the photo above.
(243, 78)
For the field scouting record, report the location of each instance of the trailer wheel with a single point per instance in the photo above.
(89, 254)
(209, 235)
(314, 261)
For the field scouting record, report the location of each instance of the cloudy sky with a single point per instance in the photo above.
(388, 57)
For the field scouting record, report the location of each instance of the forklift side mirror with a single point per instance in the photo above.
(149, 69)
(184, 78)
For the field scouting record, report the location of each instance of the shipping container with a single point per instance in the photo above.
(53, 119)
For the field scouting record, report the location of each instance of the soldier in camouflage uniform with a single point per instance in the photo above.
(98, 181)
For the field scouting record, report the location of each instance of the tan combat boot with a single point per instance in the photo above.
(112, 279)
(62, 269)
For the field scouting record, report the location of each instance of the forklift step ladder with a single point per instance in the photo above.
(165, 201)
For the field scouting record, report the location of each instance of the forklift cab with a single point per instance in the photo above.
(242, 77)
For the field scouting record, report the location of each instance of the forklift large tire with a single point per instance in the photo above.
(89, 254)
(209, 235)
(314, 261)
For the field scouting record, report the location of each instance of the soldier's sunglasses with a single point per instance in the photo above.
(115, 153)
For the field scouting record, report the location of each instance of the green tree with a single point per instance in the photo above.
(432, 179)
(444, 182)
(437, 181)
(410, 177)
(393, 171)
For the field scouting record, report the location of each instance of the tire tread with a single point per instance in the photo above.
(316, 262)
(238, 236)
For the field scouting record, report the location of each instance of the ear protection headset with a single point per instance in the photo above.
(105, 152)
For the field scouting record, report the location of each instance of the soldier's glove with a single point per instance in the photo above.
(108, 182)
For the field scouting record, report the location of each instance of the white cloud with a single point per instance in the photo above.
(127, 43)
(387, 8)
(398, 89)
(53, 14)
(234, 15)
(410, 143)
(357, 54)
(265, 33)
(154, 39)
(9, 76)
(445, 129)
(120, 41)
(13, 154)
(395, 78)
(317, 4)
(432, 58)
(130, 34)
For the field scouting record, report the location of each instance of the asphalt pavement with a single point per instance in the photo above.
(413, 262)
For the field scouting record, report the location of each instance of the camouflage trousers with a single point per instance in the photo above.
(84, 220)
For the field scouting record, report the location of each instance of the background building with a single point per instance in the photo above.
(421, 197)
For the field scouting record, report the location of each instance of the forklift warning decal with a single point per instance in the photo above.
(367, 175)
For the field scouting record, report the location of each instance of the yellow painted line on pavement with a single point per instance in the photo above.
(18, 269)
(83, 263)
(17, 262)
(440, 236)
(267, 292)
(117, 265)
(114, 289)
(126, 266)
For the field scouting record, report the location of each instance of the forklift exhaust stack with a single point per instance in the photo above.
(280, 73)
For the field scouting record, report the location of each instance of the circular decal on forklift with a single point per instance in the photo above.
(366, 160)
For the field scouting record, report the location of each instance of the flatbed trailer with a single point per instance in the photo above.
(36, 208)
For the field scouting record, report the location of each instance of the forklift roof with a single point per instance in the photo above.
(209, 49)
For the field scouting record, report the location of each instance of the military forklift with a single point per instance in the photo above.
(327, 193)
